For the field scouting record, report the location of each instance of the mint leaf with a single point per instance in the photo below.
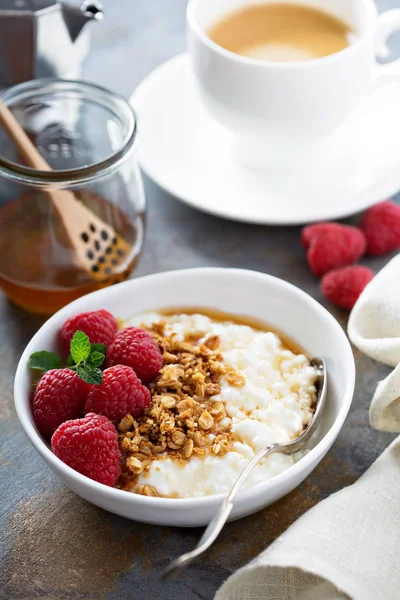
(89, 374)
(95, 359)
(98, 348)
(44, 361)
(80, 347)
(70, 361)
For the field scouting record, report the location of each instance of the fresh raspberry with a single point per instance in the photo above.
(90, 446)
(336, 248)
(309, 233)
(136, 348)
(381, 225)
(100, 326)
(343, 287)
(59, 395)
(121, 392)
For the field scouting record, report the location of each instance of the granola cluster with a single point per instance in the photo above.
(183, 419)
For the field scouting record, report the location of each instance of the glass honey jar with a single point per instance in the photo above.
(87, 135)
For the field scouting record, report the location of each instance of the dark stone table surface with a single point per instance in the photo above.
(55, 546)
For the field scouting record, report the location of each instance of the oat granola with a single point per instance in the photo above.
(183, 420)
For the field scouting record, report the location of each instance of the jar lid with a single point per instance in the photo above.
(80, 129)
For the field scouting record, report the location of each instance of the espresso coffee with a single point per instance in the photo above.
(281, 32)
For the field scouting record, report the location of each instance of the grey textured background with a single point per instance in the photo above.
(55, 545)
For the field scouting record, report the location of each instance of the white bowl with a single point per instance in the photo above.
(279, 304)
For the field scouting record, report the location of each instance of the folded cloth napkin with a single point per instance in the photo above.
(374, 327)
(348, 546)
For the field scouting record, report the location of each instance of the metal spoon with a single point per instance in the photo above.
(216, 524)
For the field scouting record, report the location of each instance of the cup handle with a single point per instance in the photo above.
(388, 23)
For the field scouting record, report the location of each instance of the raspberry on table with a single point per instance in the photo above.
(335, 248)
(59, 395)
(120, 393)
(343, 286)
(89, 446)
(311, 232)
(381, 226)
(136, 348)
(100, 326)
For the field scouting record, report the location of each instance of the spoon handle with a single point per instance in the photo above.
(218, 521)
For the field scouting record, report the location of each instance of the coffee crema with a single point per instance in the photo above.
(281, 32)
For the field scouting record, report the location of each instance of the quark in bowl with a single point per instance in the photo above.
(238, 292)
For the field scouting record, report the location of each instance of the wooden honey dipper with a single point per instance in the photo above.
(98, 249)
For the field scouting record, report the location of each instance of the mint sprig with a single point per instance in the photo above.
(85, 358)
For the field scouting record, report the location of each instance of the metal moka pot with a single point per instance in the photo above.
(42, 38)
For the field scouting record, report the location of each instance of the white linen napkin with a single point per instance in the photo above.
(374, 327)
(348, 546)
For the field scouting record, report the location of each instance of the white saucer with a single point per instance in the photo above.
(188, 154)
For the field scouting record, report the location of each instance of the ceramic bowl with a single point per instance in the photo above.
(241, 292)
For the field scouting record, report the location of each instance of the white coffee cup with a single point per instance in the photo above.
(277, 111)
